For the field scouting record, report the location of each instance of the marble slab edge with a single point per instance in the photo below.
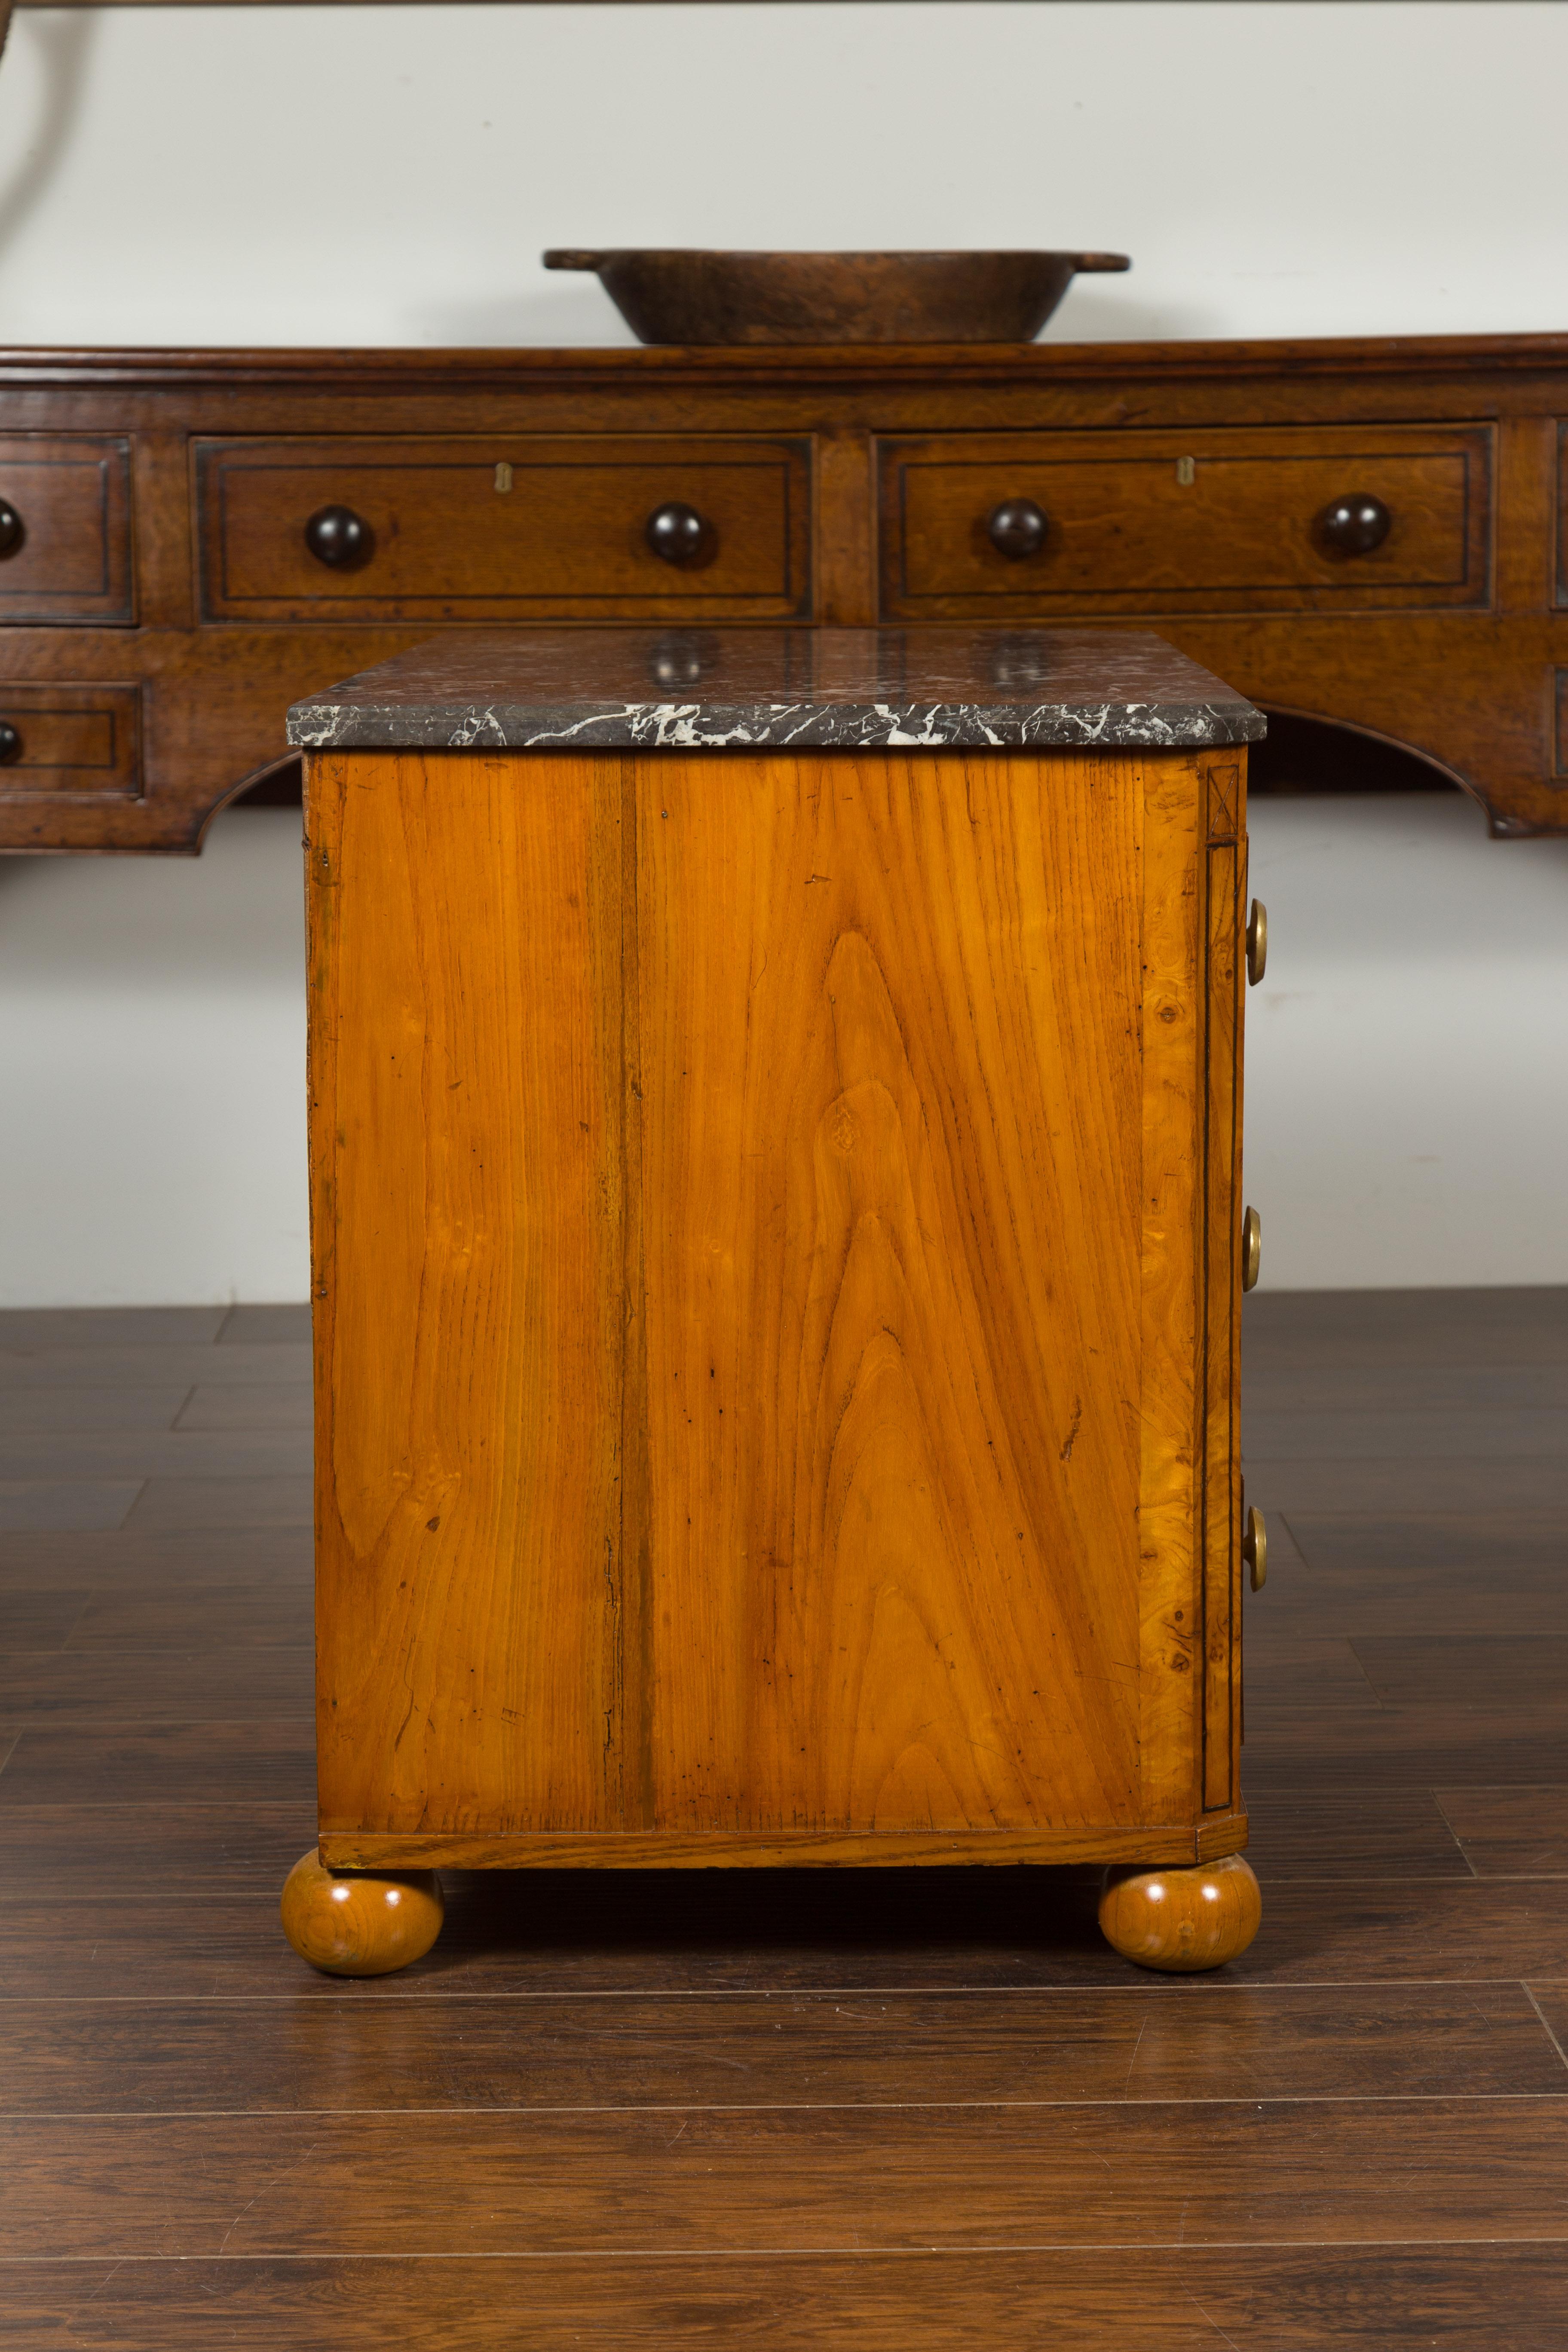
(726, 727)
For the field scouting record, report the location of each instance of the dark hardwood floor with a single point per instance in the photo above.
(902, 2112)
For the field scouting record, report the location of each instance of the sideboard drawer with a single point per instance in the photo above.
(1330, 518)
(65, 529)
(69, 739)
(471, 530)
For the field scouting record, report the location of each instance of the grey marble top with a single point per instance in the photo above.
(725, 689)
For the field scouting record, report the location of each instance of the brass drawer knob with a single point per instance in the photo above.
(1018, 529)
(1255, 1549)
(1354, 524)
(678, 534)
(12, 530)
(340, 538)
(1257, 942)
(1251, 1249)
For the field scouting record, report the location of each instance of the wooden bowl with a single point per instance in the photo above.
(676, 296)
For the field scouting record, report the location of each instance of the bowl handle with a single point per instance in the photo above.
(570, 257)
(1099, 261)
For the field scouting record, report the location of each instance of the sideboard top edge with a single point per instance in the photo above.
(23, 366)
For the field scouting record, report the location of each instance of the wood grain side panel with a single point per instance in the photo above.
(1172, 1012)
(892, 1118)
(465, 1136)
(1227, 783)
(633, 1662)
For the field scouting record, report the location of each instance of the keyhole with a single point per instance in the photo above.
(503, 475)
(1186, 472)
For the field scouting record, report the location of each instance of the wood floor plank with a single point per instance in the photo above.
(1372, 2065)
(1194, 2042)
(1395, 1351)
(1374, 1330)
(25, 1329)
(89, 1915)
(288, 1323)
(1395, 1484)
(1433, 1670)
(34, 1407)
(60, 1850)
(163, 1454)
(1293, 2172)
(1375, 1574)
(76, 1504)
(39, 1621)
(1331, 2299)
(1414, 1388)
(72, 1929)
(1381, 1932)
(167, 1504)
(1551, 2001)
(1535, 1602)
(93, 1687)
(1405, 1434)
(1358, 1315)
(1353, 1833)
(1320, 1668)
(1405, 1746)
(129, 1557)
(141, 1365)
(1456, 1549)
(248, 1404)
(165, 1617)
(150, 1767)
(1509, 1832)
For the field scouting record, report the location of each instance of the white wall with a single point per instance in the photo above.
(390, 175)
(153, 1074)
(364, 174)
(1407, 1047)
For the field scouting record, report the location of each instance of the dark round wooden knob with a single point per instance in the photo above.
(10, 742)
(1018, 529)
(338, 536)
(678, 534)
(13, 530)
(1354, 524)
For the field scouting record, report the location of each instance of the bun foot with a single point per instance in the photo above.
(1182, 1920)
(354, 1924)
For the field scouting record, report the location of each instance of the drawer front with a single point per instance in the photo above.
(70, 741)
(66, 556)
(1236, 520)
(465, 530)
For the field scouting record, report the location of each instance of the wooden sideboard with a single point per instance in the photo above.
(1369, 533)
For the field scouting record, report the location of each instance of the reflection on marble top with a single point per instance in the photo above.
(727, 689)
